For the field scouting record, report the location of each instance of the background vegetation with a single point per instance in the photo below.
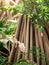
(36, 10)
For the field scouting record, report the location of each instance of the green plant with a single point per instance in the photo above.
(38, 13)
(2, 60)
(23, 62)
(36, 10)
(1, 45)
(7, 27)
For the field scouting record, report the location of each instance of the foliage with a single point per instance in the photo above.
(1, 45)
(37, 11)
(2, 60)
(23, 62)
(7, 27)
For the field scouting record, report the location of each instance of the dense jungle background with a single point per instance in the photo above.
(24, 32)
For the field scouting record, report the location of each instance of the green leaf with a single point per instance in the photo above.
(1, 45)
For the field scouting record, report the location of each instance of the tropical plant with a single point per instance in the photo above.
(38, 13)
